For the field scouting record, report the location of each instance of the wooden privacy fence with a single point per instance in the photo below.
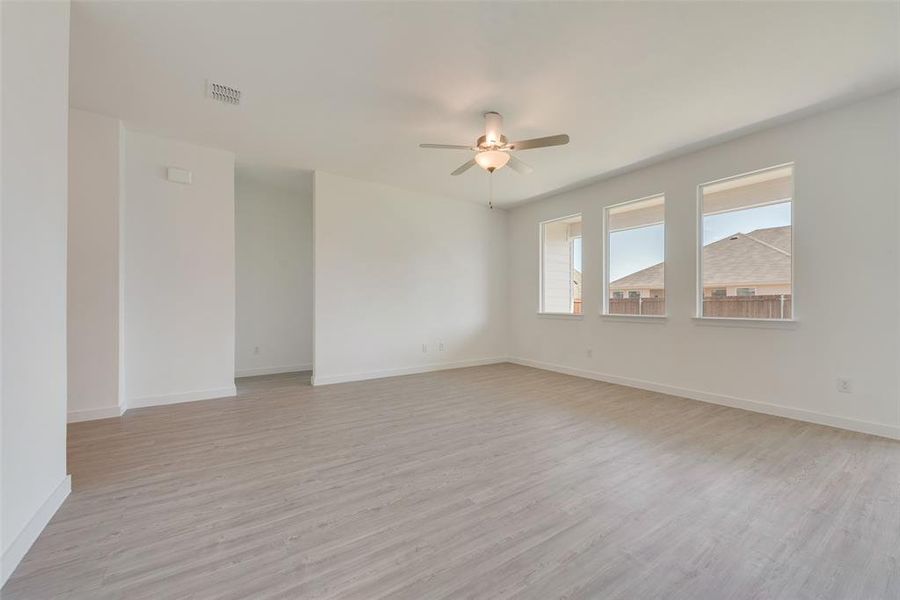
(637, 306)
(735, 307)
(749, 307)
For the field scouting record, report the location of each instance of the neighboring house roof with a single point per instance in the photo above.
(760, 257)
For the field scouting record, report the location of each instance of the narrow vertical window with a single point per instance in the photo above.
(635, 281)
(746, 252)
(561, 266)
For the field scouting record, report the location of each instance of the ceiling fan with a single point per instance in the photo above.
(492, 150)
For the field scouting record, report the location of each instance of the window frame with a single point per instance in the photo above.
(698, 245)
(541, 224)
(604, 305)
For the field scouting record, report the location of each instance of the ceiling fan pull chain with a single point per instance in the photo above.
(491, 190)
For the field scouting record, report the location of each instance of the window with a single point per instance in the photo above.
(746, 249)
(561, 266)
(634, 279)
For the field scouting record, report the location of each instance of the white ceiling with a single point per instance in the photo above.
(354, 88)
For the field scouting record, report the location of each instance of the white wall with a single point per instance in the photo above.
(274, 249)
(93, 266)
(35, 62)
(396, 269)
(177, 260)
(846, 282)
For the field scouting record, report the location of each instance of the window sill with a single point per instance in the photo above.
(658, 319)
(752, 323)
(544, 315)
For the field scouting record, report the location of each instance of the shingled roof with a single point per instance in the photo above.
(760, 257)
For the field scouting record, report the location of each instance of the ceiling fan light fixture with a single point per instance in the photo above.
(491, 160)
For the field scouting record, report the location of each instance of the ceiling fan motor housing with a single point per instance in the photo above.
(483, 143)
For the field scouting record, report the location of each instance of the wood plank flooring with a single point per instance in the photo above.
(490, 482)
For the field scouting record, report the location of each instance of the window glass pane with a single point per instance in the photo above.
(561, 266)
(636, 263)
(746, 257)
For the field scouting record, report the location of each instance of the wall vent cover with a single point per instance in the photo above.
(223, 93)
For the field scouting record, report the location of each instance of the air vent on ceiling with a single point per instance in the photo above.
(223, 93)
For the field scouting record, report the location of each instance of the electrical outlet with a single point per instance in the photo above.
(440, 346)
(590, 352)
(844, 385)
(424, 348)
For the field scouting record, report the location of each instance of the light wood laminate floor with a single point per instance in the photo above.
(490, 482)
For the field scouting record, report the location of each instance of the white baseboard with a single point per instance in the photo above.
(93, 414)
(223, 392)
(347, 377)
(16, 551)
(272, 370)
(778, 410)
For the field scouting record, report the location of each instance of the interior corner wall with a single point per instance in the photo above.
(33, 122)
(274, 250)
(397, 271)
(846, 279)
(177, 272)
(93, 266)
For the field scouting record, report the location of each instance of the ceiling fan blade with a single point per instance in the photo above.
(518, 166)
(445, 146)
(464, 167)
(551, 140)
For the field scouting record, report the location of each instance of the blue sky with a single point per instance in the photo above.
(637, 249)
(577, 253)
(716, 227)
